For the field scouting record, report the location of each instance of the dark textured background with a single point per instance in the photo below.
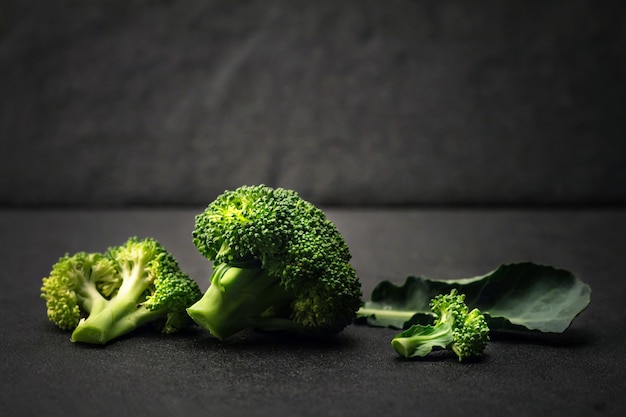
(351, 102)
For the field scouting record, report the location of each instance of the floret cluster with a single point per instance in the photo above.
(455, 328)
(103, 296)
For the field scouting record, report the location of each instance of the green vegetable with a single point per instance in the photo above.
(102, 296)
(521, 296)
(456, 328)
(278, 264)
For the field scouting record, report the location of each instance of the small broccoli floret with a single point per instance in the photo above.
(456, 328)
(102, 296)
(278, 264)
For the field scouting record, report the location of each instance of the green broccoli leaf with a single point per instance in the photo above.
(519, 296)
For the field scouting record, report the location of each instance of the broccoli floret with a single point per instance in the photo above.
(278, 264)
(456, 328)
(102, 296)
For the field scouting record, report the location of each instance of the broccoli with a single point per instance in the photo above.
(278, 265)
(456, 328)
(102, 296)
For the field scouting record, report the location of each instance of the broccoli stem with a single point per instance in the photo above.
(111, 323)
(240, 297)
(121, 314)
(89, 297)
(420, 340)
(92, 300)
(382, 314)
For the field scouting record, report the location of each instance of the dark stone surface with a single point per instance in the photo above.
(577, 373)
(353, 102)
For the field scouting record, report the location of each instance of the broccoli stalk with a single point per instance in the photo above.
(278, 264)
(124, 312)
(239, 298)
(455, 328)
(104, 296)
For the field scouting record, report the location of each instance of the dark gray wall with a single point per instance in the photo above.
(348, 102)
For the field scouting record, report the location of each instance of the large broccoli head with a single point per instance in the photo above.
(303, 279)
